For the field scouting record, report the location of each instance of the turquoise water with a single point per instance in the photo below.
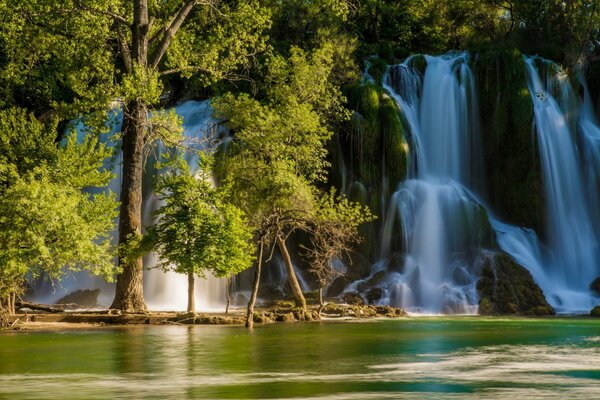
(429, 358)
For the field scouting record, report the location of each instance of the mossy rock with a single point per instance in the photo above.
(506, 288)
(595, 312)
(86, 297)
(353, 298)
(377, 69)
(374, 295)
(287, 317)
(261, 318)
(338, 286)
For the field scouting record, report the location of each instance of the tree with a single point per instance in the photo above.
(278, 151)
(197, 231)
(95, 51)
(334, 234)
(49, 221)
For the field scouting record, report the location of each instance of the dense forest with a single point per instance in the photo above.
(305, 145)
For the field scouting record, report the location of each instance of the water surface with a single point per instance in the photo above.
(429, 358)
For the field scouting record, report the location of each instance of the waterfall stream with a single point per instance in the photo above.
(162, 290)
(443, 223)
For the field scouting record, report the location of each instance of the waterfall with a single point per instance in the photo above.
(442, 225)
(162, 290)
(570, 186)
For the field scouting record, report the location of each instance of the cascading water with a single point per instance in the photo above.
(437, 230)
(573, 262)
(162, 291)
(442, 226)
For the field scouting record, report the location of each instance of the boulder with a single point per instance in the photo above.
(337, 286)
(87, 297)
(595, 286)
(505, 288)
(353, 298)
(595, 312)
(287, 317)
(374, 295)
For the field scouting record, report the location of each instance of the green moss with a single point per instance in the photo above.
(377, 69)
(512, 163)
(505, 287)
(395, 147)
(419, 62)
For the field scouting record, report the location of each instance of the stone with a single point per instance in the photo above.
(337, 286)
(287, 317)
(87, 297)
(507, 288)
(374, 295)
(353, 298)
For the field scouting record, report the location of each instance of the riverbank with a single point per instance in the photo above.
(280, 312)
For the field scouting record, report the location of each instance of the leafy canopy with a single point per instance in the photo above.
(197, 230)
(49, 221)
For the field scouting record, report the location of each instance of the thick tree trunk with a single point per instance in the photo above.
(292, 279)
(129, 295)
(250, 311)
(191, 295)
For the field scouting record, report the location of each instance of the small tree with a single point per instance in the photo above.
(334, 234)
(197, 231)
(48, 223)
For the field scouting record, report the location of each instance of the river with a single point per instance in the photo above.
(421, 357)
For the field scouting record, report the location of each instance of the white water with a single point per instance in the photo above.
(441, 224)
(162, 291)
(570, 184)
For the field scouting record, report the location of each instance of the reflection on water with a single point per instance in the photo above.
(417, 358)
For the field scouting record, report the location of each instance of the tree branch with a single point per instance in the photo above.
(170, 32)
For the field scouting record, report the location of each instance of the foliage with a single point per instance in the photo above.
(197, 230)
(279, 144)
(334, 234)
(49, 223)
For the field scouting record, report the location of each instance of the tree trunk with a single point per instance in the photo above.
(296, 289)
(129, 295)
(321, 302)
(250, 312)
(228, 290)
(191, 308)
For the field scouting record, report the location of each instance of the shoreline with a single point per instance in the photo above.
(283, 312)
(91, 320)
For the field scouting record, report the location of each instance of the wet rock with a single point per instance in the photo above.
(390, 312)
(353, 298)
(396, 262)
(87, 297)
(338, 286)
(287, 317)
(595, 312)
(374, 295)
(261, 318)
(505, 288)
(376, 279)
(595, 286)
